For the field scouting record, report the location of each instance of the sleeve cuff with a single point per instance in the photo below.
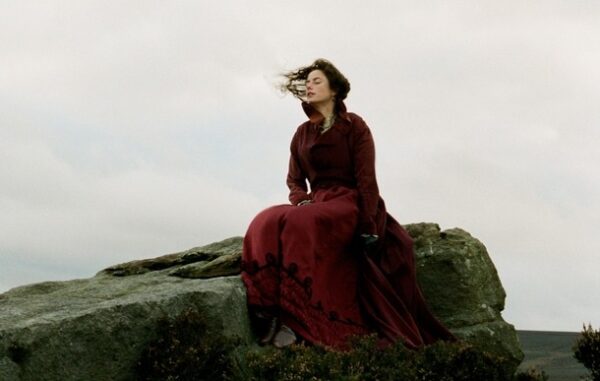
(298, 198)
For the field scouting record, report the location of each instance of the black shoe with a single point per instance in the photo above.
(272, 328)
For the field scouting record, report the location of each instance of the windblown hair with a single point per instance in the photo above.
(295, 82)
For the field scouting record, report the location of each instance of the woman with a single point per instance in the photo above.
(333, 264)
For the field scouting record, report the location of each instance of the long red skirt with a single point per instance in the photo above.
(297, 261)
(302, 263)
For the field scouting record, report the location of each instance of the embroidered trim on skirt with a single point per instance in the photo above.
(302, 263)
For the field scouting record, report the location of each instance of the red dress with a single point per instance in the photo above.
(305, 263)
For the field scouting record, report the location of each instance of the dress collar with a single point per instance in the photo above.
(316, 117)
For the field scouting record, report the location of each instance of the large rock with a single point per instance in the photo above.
(97, 328)
(462, 287)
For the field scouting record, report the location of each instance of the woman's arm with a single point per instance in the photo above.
(296, 178)
(364, 172)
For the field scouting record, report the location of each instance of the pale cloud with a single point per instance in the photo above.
(54, 214)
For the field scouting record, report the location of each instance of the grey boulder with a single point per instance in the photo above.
(97, 328)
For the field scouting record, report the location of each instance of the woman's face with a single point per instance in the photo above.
(317, 88)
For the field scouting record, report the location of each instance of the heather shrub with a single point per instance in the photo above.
(587, 350)
(183, 350)
(365, 362)
(459, 362)
(532, 374)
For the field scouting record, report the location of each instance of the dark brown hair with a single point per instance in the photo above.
(296, 80)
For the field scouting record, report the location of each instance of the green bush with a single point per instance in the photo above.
(184, 350)
(439, 362)
(532, 375)
(587, 350)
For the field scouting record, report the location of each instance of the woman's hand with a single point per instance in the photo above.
(369, 239)
(369, 244)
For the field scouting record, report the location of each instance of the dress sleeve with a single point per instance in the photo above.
(364, 173)
(296, 178)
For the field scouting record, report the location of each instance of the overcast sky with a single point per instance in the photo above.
(132, 129)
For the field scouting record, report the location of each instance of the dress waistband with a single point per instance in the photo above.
(326, 184)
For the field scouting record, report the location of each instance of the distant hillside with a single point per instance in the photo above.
(551, 352)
